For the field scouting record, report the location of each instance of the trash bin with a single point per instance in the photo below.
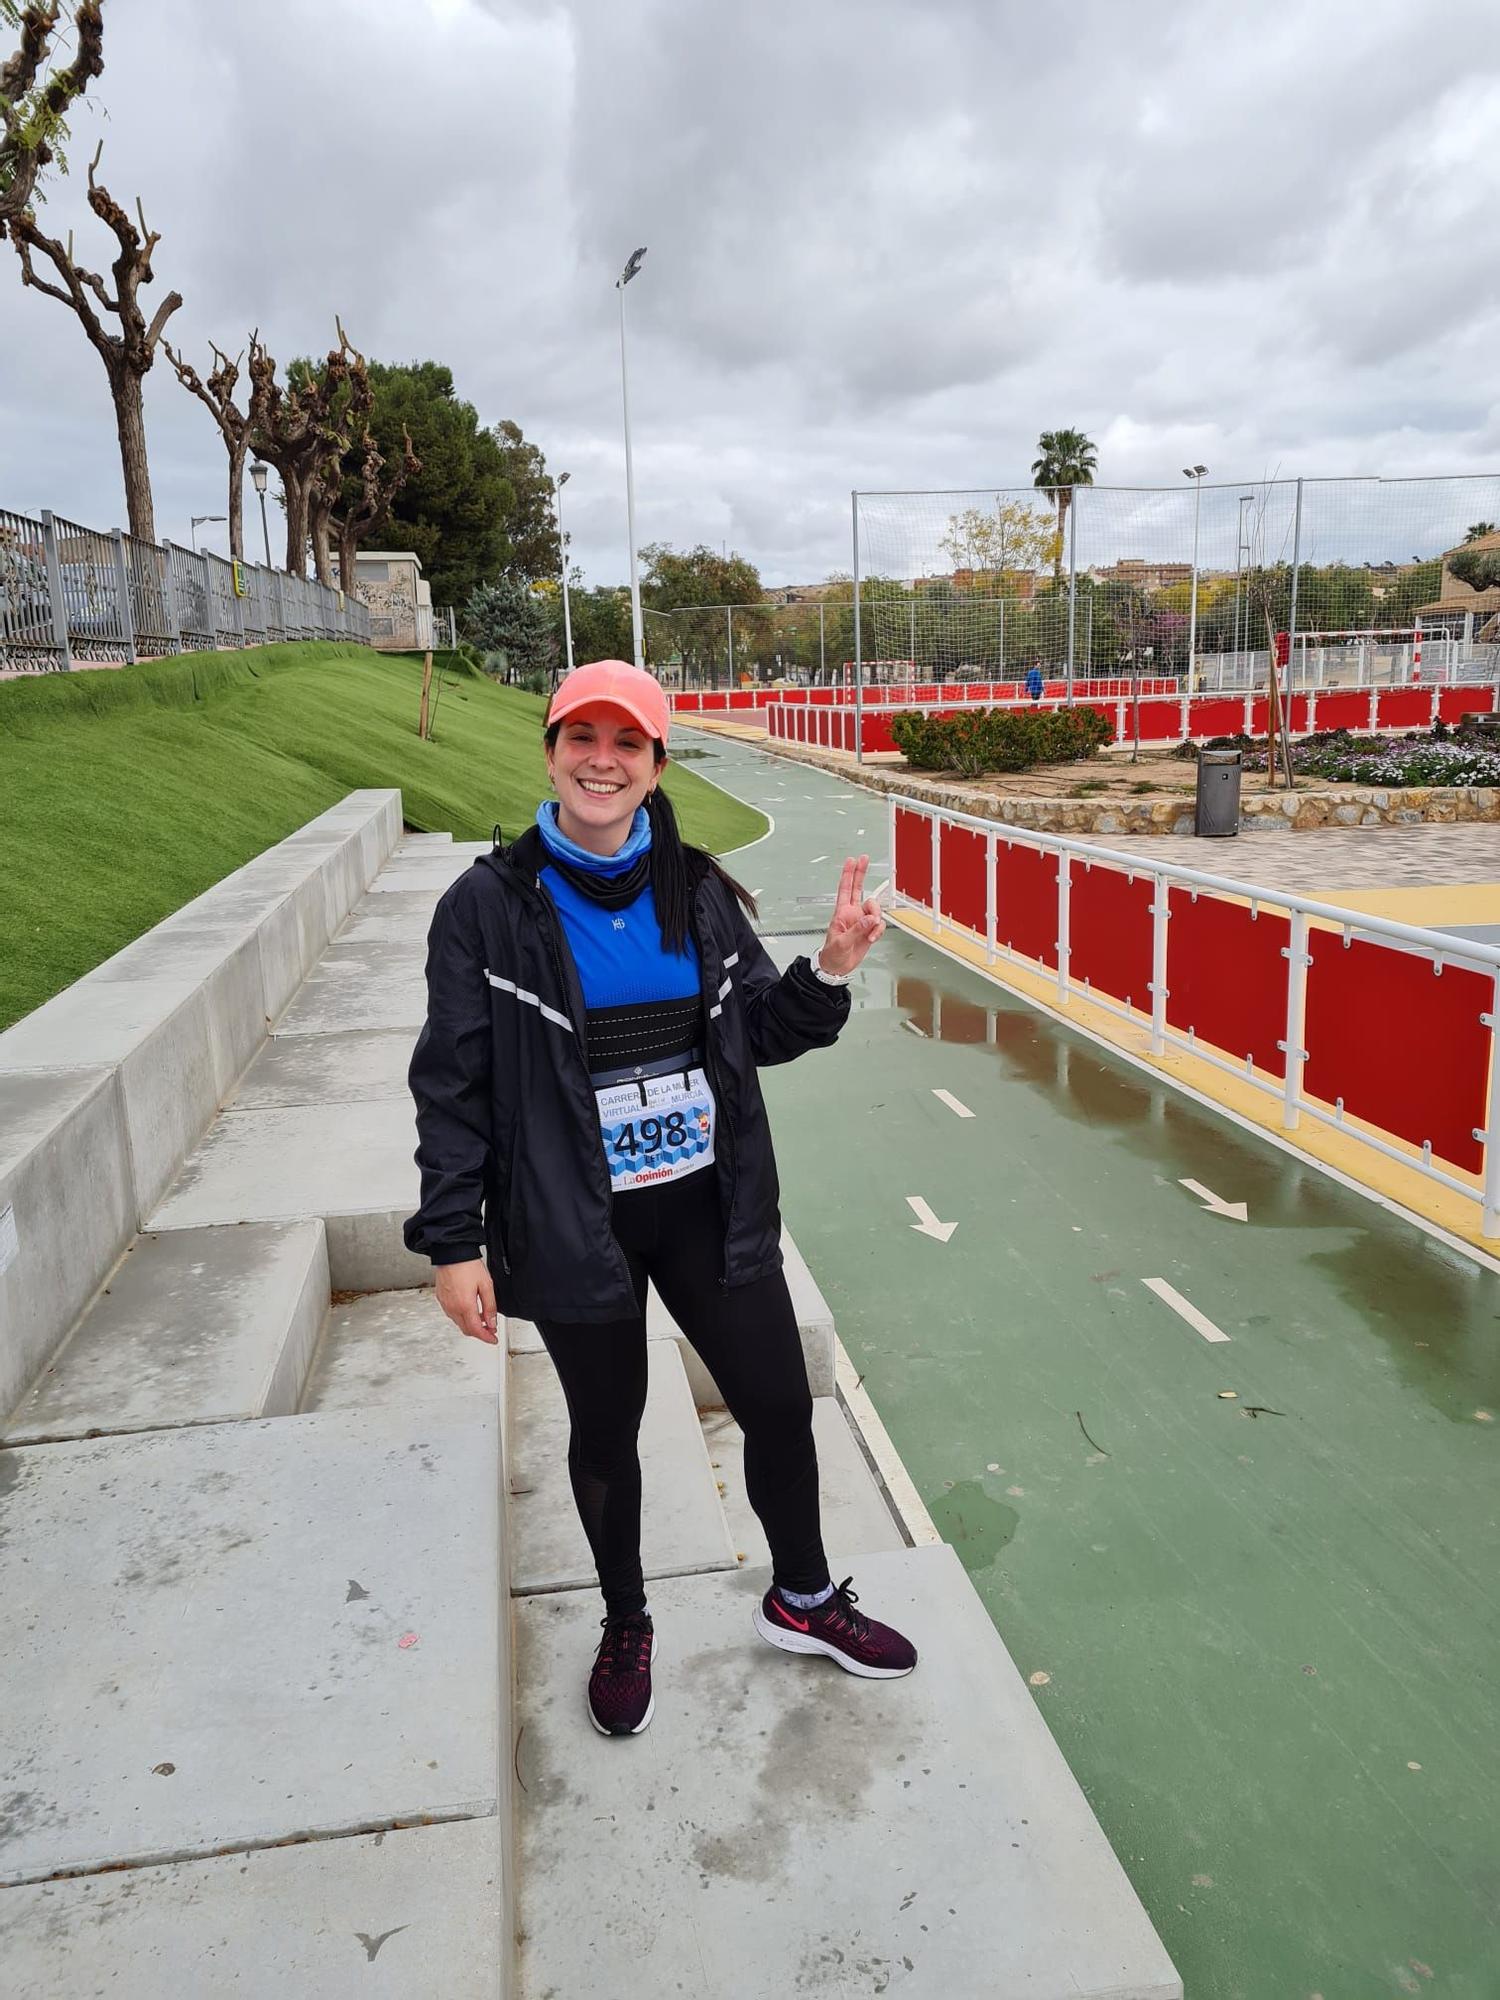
(1217, 807)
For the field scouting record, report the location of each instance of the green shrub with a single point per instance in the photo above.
(1000, 739)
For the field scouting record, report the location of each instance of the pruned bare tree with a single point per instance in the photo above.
(299, 427)
(367, 511)
(217, 397)
(34, 104)
(347, 419)
(128, 354)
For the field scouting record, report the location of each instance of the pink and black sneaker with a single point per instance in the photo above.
(861, 1645)
(620, 1699)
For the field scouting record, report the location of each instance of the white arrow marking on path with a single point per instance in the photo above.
(927, 1223)
(1199, 1322)
(1213, 1204)
(959, 1110)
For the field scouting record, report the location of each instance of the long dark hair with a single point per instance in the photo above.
(671, 876)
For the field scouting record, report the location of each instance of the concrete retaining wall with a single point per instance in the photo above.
(106, 1088)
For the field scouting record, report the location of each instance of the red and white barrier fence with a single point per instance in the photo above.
(1292, 996)
(1167, 722)
(724, 701)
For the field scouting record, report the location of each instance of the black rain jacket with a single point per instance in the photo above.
(507, 1127)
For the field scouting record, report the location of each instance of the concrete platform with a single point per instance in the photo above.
(414, 1915)
(347, 1068)
(784, 1827)
(856, 1519)
(350, 1164)
(682, 1524)
(398, 1347)
(196, 1326)
(204, 1627)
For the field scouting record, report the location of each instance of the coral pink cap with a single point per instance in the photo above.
(622, 686)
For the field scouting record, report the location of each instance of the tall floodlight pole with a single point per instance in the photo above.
(1195, 473)
(635, 587)
(822, 648)
(859, 676)
(1241, 580)
(562, 541)
(729, 623)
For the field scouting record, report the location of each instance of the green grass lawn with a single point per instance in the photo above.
(124, 794)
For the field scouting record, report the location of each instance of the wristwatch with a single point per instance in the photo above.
(829, 978)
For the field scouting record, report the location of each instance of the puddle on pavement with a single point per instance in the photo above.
(977, 1526)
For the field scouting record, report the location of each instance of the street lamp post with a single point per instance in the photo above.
(258, 481)
(1196, 474)
(1241, 582)
(197, 522)
(635, 588)
(562, 480)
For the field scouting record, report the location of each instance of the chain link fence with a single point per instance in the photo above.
(72, 596)
(1355, 582)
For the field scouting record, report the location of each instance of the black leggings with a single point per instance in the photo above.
(747, 1337)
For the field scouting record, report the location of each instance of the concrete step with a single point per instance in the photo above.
(349, 1163)
(195, 1326)
(922, 1835)
(683, 1526)
(395, 913)
(365, 983)
(347, 1068)
(814, 1323)
(237, 1634)
(397, 1347)
(413, 1913)
(420, 843)
(856, 1517)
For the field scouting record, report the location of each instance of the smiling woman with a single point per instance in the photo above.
(590, 1115)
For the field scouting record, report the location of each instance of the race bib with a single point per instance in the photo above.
(660, 1129)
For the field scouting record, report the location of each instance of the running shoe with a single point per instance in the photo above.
(861, 1645)
(620, 1699)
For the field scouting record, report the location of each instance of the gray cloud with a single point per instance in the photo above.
(888, 243)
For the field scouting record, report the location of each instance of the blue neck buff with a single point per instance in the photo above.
(558, 845)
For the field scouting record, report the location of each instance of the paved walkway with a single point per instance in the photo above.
(1250, 1579)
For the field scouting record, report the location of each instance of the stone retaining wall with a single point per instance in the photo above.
(1260, 812)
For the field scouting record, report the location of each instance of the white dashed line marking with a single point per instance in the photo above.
(1184, 1308)
(958, 1110)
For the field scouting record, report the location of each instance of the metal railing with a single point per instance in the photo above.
(1446, 1110)
(72, 596)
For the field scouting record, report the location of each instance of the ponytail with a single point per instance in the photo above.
(671, 884)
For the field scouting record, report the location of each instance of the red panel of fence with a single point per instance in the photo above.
(1344, 711)
(1226, 977)
(963, 885)
(1026, 901)
(912, 853)
(1214, 716)
(1109, 933)
(1455, 703)
(1403, 708)
(1401, 1041)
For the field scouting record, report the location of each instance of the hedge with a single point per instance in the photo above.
(999, 739)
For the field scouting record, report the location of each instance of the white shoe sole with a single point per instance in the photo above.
(645, 1719)
(798, 1642)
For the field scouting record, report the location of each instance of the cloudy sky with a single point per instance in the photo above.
(888, 242)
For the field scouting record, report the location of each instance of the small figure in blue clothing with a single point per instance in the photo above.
(1034, 681)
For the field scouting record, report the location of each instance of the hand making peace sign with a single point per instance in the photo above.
(856, 923)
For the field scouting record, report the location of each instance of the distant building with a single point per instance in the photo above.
(1143, 575)
(1458, 601)
(390, 581)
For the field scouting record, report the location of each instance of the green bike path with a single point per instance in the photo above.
(1261, 1626)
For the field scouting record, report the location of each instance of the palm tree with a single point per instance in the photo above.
(1065, 459)
(1479, 530)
